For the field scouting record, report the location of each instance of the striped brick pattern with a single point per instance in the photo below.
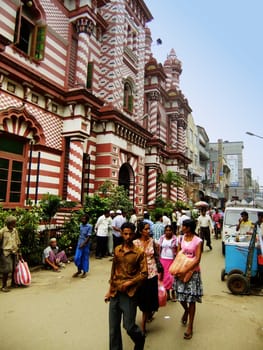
(89, 171)
(111, 85)
(56, 18)
(164, 191)
(75, 170)
(139, 101)
(173, 132)
(181, 138)
(163, 126)
(173, 194)
(47, 179)
(7, 19)
(151, 186)
(55, 61)
(181, 194)
(153, 116)
(82, 59)
(18, 127)
(51, 124)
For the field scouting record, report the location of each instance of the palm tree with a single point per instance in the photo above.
(171, 178)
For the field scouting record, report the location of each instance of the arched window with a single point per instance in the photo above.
(128, 97)
(30, 32)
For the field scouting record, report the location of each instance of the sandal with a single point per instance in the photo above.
(188, 335)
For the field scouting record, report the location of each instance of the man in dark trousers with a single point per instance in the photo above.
(129, 269)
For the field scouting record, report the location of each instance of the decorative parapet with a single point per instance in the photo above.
(84, 25)
(130, 54)
(182, 123)
(153, 96)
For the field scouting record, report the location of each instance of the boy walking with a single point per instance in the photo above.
(129, 269)
(81, 258)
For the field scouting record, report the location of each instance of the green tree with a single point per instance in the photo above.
(27, 226)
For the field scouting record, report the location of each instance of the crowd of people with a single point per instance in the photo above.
(134, 276)
(134, 245)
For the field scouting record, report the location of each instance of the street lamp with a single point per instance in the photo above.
(251, 134)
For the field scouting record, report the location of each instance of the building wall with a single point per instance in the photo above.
(75, 135)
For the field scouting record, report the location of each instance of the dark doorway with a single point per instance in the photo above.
(124, 177)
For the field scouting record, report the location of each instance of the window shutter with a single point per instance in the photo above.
(130, 103)
(39, 47)
(18, 25)
(89, 75)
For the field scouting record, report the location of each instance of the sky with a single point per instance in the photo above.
(219, 43)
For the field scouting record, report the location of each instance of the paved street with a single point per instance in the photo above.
(58, 312)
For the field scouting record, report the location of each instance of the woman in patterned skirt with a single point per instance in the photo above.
(190, 292)
(148, 293)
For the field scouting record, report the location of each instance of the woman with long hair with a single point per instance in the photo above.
(168, 248)
(190, 292)
(148, 293)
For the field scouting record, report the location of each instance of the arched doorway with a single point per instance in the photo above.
(126, 179)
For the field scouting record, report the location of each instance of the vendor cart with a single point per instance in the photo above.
(240, 263)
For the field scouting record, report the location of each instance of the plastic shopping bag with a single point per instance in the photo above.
(22, 274)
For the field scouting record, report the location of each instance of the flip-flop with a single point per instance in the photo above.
(188, 335)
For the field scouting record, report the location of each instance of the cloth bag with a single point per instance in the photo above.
(22, 274)
(162, 295)
(180, 265)
(260, 256)
(159, 265)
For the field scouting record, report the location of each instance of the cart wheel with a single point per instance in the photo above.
(235, 271)
(237, 284)
(223, 273)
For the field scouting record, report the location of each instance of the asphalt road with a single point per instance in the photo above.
(58, 312)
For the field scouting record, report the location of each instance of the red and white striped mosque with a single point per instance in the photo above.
(82, 100)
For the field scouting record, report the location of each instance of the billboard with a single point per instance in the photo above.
(232, 161)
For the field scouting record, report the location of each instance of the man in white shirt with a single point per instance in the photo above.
(102, 228)
(133, 218)
(166, 219)
(204, 228)
(181, 220)
(116, 228)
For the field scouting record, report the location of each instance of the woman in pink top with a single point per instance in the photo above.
(188, 293)
(168, 249)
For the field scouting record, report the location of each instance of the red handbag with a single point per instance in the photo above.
(22, 274)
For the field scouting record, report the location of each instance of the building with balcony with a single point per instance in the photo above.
(194, 186)
(232, 154)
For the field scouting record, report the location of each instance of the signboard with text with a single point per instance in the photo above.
(232, 161)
